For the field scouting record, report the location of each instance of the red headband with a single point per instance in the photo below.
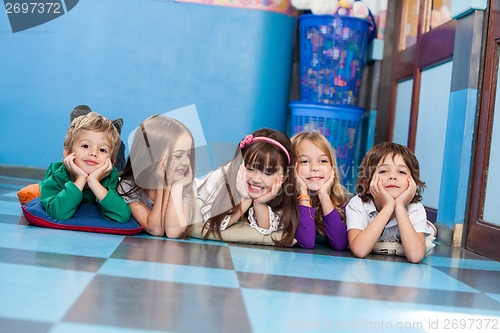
(250, 138)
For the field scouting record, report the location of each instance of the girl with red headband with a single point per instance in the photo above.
(257, 185)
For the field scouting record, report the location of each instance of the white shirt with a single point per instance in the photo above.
(208, 192)
(359, 214)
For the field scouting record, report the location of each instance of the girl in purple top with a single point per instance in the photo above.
(321, 196)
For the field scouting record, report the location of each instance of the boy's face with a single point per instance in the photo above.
(394, 174)
(91, 150)
(313, 165)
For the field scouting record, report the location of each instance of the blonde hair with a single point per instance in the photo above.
(338, 193)
(93, 121)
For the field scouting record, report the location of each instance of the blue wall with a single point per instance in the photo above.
(132, 59)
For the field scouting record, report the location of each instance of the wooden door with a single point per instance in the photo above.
(483, 234)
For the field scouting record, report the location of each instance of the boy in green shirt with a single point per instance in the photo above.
(87, 174)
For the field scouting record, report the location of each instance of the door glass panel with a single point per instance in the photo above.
(409, 23)
(431, 128)
(402, 112)
(492, 195)
(440, 13)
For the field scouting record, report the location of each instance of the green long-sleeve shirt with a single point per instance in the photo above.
(60, 196)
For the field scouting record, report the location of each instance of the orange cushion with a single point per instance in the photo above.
(28, 193)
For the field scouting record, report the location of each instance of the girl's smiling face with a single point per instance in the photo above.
(181, 158)
(313, 165)
(394, 174)
(91, 150)
(261, 182)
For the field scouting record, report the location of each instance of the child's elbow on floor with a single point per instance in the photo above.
(360, 253)
(415, 259)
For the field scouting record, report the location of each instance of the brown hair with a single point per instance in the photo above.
(93, 122)
(263, 156)
(338, 193)
(372, 159)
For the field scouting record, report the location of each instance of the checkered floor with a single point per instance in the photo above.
(66, 281)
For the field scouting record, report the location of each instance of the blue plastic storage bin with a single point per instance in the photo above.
(340, 125)
(332, 57)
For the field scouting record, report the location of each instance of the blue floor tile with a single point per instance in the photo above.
(405, 275)
(82, 328)
(291, 264)
(10, 208)
(303, 312)
(316, 313)
(450, 319)
(343, 269)
(39, 293)
(10, 195)
(172, 273)
(58, 241)
(488, 265)
(494, 296)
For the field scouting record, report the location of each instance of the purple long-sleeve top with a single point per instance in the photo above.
(335, 229)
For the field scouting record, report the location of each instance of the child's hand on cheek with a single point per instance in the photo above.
(407, 196)
(275, 189)
(301, 185)
(74, 170)
(101, 172)
(325, 189)
(161, 170)
(380, 196)
(187, 179)
(241, 182)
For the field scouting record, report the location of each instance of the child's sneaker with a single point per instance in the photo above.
(389, 248)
